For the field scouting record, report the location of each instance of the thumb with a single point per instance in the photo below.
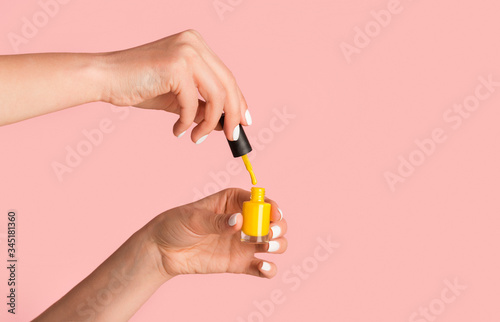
(222, 223)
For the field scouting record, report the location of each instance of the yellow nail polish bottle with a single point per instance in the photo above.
(256, 218)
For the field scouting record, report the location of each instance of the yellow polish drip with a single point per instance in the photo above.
(248, 165)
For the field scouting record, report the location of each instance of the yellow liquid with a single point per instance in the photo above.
(256, 218)
(248, 165)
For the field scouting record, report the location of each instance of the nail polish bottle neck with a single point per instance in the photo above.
(257, 194)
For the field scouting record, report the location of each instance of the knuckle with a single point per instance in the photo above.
(230, 192)
(195, 33)
(186, 52)
(190, 35)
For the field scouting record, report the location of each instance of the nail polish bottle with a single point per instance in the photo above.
(256, 218)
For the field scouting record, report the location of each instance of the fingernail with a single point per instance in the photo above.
(266, 266)
(233, 219)
(248, 117)
(281, 213)
(236, 133)
(179, 136)
(276, 231)
(273, 246)
(200, 140)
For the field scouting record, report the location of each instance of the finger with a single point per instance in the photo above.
(276, 212)
(232, 110)
(275, 246)
(188, 101)
(227, 201)
(232, 118)
(217, 224)
(235, 102)
(245, 113)
(200, 115)
(231, 200)
(278, 229)
(260, 268)
(214, 94)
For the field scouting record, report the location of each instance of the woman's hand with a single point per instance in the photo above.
(198, 238)
(168, 74)
(204, 237)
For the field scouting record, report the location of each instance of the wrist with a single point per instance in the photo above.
(111, 72)
(91, 72)
(101, 71)
(151, 255)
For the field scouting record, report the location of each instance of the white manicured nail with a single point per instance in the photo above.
(273, 246)
(248, 117)
(281, 213)
(179, 136)
(266, 266)
(200, 140)
(233, 219)
(236, 133)
(276, 231)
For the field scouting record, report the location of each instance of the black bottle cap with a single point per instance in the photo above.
(241, 146)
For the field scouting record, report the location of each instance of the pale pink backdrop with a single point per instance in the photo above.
(349, 119)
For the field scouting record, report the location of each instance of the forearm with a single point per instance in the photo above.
(37, 84)
(117, 288)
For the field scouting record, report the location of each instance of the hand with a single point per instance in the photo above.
(168, 74)
(204, 237)
(198, 238)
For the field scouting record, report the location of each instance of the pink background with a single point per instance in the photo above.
(325, 166)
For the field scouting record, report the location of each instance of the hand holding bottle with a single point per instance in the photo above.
(198, 238)
(204, 237)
